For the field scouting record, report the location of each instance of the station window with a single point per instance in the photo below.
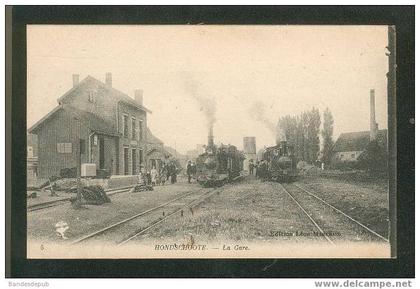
(64, 148)
(140, 157)
(125, 125)
(140, 129)
(133, 129)
(126, 159)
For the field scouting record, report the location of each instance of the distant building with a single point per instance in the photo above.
(349, 146)
(157, 155)
(97, 123)
(250, 151)
(181, 159)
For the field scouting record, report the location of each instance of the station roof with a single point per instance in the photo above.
(90, 120)
(151, 138)
(115, 93)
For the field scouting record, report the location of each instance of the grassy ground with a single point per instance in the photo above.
(247, 211)
(365, 201)
(255, 211)
(361, 178)
(41, 224)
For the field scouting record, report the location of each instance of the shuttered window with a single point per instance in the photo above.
(133, 129)
(140, 156)
(140, 130)
(64, 148)
(125, 125)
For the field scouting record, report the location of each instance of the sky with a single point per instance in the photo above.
(195, 75)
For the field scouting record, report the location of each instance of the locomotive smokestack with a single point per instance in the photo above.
(281, 136)
(284, 147)
(373, 124)
(210, 140)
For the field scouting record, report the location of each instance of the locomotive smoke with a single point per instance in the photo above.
(207, 106)
(259, 111)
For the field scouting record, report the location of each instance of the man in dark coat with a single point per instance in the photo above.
(172, 169)
(163, 174)
(251, 167)
(194, 169)
(263, 170)
(149, 178)
(168, 171)
(189, 171)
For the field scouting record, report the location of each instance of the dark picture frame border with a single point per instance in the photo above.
(18, 266)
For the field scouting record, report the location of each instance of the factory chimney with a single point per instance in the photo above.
(373, 124)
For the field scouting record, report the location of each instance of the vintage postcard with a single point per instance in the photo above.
(209, 141)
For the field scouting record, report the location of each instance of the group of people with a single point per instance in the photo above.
(168, 172)
(260, 169)
(155, 177)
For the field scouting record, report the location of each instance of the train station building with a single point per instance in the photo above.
(96, 123)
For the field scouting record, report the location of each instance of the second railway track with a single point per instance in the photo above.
(332, 223)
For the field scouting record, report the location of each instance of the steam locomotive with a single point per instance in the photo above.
(280, 162)
(218, 165)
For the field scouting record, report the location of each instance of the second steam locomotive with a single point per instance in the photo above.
(280, 163)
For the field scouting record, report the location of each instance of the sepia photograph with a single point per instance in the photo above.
(210, 141)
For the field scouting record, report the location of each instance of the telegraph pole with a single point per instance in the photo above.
(78, 203)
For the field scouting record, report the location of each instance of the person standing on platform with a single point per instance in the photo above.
(172, 169)
(153, 176)
(251, 167)
(189, 171)
(163, 174)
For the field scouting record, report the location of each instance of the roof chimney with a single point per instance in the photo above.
(75, 79)
(373, 124)
(108, 79)
(138, 96)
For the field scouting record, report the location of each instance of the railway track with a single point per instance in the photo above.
(47, 205)
(132, 227)
(315, 223)
(64, 201)
(328, 225)
(371, 231)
